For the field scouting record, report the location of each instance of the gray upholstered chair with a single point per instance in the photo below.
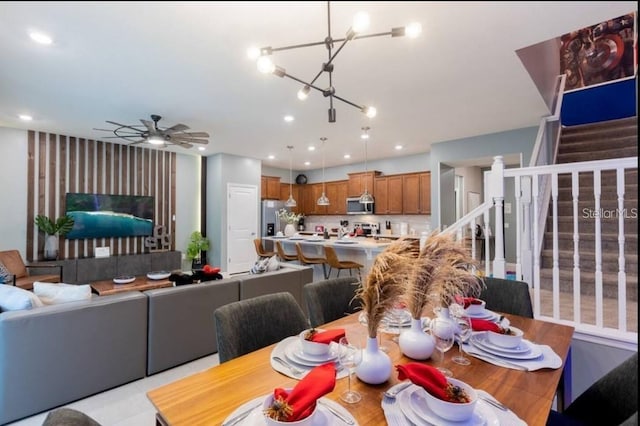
(68, 417)
(611, 400)
(331, 299)
(251, 324)
(507, 296)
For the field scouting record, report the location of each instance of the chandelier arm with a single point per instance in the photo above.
(303, 82)
(320, 43)
(348, 102)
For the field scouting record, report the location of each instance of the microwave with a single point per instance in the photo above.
(354, 206)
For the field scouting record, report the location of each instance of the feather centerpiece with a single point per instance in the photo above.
(444, 269)
(386, 282)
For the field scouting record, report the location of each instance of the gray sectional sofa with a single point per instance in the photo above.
(53, 355)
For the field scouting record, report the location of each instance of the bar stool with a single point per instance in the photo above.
(283, 255)
(312, 260)
(262, 253)
(334, 262)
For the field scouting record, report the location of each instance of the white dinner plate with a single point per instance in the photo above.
(158, 275)
(296, 238)
(485, 315)
(315, 240)
(481, 342)
(323, 416)
(124, 280)
(294, 352)
(279, 237)
(345, 242)
(413, 404)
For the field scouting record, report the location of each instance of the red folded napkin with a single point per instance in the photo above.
(466, 301)
(484, 325)
(328, 336)
(301, 401)
(426, 376)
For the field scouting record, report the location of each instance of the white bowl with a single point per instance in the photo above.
(506, 340)
(313, 348)
(476, 309)
(307, 421)
(454, 411)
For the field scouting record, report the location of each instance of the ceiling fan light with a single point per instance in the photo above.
(155, 140)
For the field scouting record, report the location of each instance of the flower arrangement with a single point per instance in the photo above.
(289, 217)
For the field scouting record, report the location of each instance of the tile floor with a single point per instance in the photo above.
(128, 405)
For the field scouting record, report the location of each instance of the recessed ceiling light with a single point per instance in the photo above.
(307, 163)
(288, 118)
(347, 156)
(201, 148)
(271, 157)
(311, 148)
(40, 38)
(398, 147)
(25, 117)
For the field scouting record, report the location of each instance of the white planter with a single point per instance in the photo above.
(289, 230)
(51, 247)
(415, 342)
(375, 367)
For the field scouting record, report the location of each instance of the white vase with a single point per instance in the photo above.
(289, 230)
(375, 367)
(415, 342)
(51, 247)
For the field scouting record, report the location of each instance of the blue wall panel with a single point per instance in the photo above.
(607, 102)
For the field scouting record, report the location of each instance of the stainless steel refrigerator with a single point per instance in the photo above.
(270, 222)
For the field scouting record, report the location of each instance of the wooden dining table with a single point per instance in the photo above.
(209, 397)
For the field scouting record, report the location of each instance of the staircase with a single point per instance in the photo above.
(596, 141)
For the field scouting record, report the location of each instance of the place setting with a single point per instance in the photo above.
(504, 345)
(302, 405)
(427, 397)
(296, 356)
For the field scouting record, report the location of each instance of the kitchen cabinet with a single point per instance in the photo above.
(388, 190)
(416, 193)
(270, 188)
(295, 192)
(358, 181)
(337, 193)
(310, 194)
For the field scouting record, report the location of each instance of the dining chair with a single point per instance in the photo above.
(306, 260)
(68, 417)
(247, 325)
(507, 296)
(334, 262)
(260, 251)
(610, 400)
(283, 255)
(330, 299)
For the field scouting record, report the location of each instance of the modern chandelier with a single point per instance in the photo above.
(360, 23)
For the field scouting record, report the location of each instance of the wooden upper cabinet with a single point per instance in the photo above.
(270, 187)
(416, 193)
(295, 191)
(388, 190)
(358, 182)
(337, 194)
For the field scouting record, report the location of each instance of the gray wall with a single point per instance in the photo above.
(13, 175)
(187, 218)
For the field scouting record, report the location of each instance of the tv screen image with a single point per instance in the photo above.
(107, 215)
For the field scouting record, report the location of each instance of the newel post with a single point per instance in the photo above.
(496, 185)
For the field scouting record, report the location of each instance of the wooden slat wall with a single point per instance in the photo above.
(58, 164)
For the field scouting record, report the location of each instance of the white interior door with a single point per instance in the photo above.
(242, 226)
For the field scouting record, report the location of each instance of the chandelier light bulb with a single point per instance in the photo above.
(413, 30)
(370, 112)
(360, 22)
(303, 93)
(265, 65)
(253, 53)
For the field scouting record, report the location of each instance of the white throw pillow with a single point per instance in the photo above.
(15, 298)
(53, 294)
(273, 264)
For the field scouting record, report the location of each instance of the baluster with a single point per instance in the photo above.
(536, 244)
(527, 262)
(598, 248)
(622, 277)
(518, 230)
(487, 246)
(575, 192)
(556, 262)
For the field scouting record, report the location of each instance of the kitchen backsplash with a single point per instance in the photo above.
(415, 223)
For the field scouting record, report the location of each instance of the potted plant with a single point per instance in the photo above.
(197, 244)
(52, 230)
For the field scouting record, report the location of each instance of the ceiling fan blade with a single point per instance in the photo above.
(189, 140)
(149, 125)
(125, 126)
(195, 134)
(176, 128)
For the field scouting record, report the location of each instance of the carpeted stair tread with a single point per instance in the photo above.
(605, 154)
(587, 283)
(587, 261)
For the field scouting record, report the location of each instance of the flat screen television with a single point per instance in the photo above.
(107, 215)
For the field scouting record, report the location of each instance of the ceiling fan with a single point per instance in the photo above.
(151, 133)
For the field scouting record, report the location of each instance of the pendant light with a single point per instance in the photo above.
(323, 200)
(290, 202)
(365, 198)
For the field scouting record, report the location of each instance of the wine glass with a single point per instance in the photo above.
(443, 332)
(349, 356)
(463, 333)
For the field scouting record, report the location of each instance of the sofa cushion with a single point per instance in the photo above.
(273, 264)
(260, 266)
(52, 294)
(14, 298)
(6, 277)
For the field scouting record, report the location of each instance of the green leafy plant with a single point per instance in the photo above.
(59, 227)
(197, 244)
